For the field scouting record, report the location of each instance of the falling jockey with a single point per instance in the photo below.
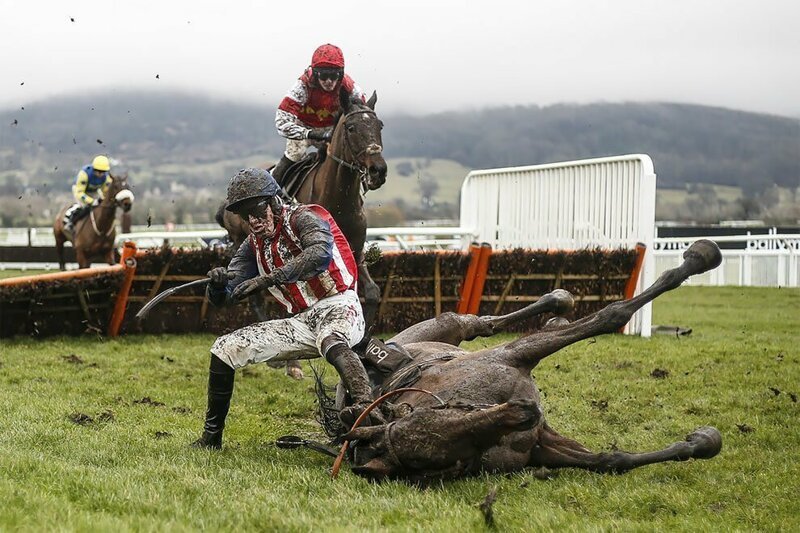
(300, 256)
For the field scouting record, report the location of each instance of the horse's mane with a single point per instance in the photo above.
(348, 104)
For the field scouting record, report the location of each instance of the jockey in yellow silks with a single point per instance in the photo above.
(91, 180)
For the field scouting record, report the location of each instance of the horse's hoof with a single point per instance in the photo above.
(555, 323)
(707, 442)
(705, 254)
(563, 300)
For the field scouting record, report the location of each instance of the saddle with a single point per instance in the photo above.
(390, 366)
(296, 175)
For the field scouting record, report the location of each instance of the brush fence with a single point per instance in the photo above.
(415, 286)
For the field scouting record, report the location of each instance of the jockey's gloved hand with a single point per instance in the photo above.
(320, 134)
(219, 277)
(251, 286)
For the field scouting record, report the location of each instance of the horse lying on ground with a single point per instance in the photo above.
(481, 410)
(93, 236)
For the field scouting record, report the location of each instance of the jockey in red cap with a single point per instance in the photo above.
(306, 112)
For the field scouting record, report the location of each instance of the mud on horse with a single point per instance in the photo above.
(93, 236)
(482, 409)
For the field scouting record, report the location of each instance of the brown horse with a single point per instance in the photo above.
(354, 165)
(93, 236)
(459, 413)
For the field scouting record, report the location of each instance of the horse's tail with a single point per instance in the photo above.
(220, 216)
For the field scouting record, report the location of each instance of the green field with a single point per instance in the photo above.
(15, 273)
(129, 468)
(447, 174)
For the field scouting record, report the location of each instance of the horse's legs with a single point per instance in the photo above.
(82, 258)
(60, 239)
(556, 451)
(453, 328)
(701, 256)
(372, 297)
(110, 257)
(293, 368)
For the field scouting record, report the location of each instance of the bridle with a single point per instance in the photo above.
(356, 166)
(107, 204)
(103, 206)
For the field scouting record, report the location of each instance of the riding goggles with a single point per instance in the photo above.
(327, 73)
(258, 210)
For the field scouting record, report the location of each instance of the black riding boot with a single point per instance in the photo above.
(220, 389)
(280, 169)
(354, 377)
(76, 214)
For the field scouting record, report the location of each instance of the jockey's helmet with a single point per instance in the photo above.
(250, 183)
(101, 163)
(329, 56)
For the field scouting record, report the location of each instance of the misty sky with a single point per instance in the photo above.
(421, 56)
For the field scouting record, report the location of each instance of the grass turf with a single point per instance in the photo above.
(129, 468)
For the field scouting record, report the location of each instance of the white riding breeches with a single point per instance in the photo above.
(296, 337)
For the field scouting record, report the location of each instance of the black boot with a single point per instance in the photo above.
(220, 390)
(74, 216)
(280, 169)
(354, 377)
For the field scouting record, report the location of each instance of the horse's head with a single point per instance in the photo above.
(358, 132)
(437, 443)
(119, 193)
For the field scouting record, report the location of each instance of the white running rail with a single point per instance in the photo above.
(771, 260)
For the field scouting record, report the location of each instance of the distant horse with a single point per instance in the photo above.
(354, 165)
(93, 236)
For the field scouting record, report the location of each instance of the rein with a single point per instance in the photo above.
(337, 464)
(94, 222)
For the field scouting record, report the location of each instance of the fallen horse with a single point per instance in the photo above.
(480, 411)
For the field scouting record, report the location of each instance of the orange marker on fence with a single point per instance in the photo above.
(469, 278)
(128, 262)
(630, 285)
(480, 279)
(633, 281)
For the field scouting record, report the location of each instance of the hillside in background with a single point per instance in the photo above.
(180, 150)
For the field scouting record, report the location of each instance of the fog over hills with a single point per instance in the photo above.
(688, 143)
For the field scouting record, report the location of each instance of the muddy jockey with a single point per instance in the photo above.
(299, 254)
(91, 180)
(305, 116)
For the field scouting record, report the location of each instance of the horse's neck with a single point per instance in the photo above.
(339, 186)
(104, 216)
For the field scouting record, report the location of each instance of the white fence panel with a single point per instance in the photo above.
(607, 202)
(771, 260)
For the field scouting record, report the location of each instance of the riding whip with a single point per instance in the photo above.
(169, 292)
